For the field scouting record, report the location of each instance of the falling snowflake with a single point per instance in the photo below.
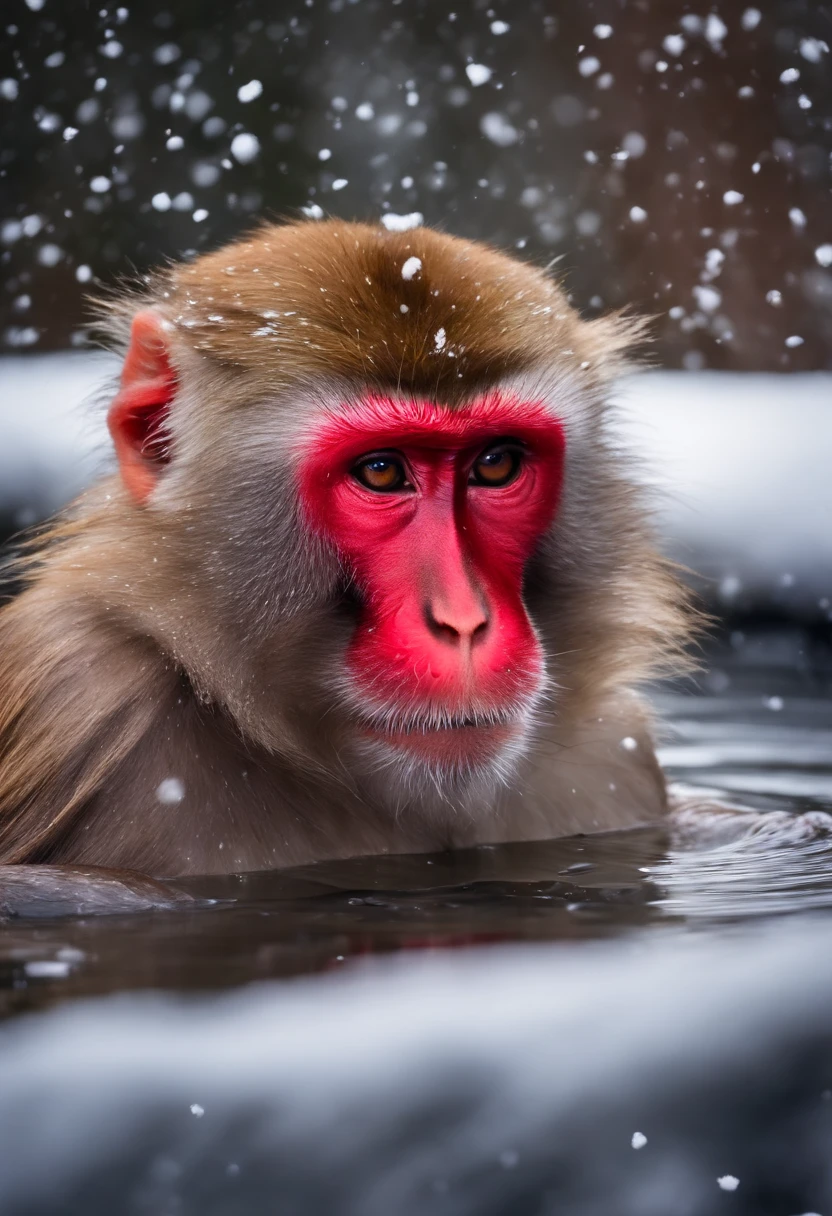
(478, 73)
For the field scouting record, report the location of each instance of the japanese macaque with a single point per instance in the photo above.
(370, 575)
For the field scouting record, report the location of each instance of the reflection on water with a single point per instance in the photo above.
(759, 733)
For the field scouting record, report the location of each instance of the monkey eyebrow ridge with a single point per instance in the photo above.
(382, 419)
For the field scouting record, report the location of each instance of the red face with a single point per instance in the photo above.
(436, 512)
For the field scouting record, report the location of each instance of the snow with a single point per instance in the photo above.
(589, 65)
(639, 1140)
(715, 30)
(714, 259)
(751, 18)
(21, 336)
(175, 143)
(249, 92)
(813, 49)
(794, 340)
(797, 217)
(245, 147)
(393, 1073)
(168, 52)
(340, 183)
(47, 969)
(638, 215)
(394, 222)
(49, 255)
(790, 75)
(732, 197)
(161, 201)
(183, 201)
(100, 184)
(603, 31)
(478, 73)
(498, 129)
(365, 111)
(739, 460)
(439, 339)
(499, 27)
(411, 268)
(708, 298)
(170, 791)
(823, 255)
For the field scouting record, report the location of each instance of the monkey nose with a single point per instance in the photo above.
(460, 625)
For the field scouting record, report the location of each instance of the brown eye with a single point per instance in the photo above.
(381, 473)
(496, 466)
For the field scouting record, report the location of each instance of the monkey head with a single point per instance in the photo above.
(374, 513)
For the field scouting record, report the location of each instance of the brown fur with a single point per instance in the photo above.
(196, 637)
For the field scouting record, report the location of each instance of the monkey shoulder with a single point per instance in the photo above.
(78, 697)
(599, 774)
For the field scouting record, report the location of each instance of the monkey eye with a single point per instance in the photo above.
(382, 472)
(497, 466)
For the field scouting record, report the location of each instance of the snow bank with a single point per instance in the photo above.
(52, 436)
(461, 1084)
(742, 462)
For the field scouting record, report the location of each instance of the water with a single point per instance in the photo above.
(757, 730)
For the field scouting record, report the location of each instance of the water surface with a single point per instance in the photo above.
(756, 729)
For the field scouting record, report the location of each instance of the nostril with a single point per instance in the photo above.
(463, 626)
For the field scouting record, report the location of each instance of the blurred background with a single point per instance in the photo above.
(673, 156)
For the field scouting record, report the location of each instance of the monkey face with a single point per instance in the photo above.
(435, 513)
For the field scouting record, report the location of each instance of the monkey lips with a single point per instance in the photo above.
(461, 742)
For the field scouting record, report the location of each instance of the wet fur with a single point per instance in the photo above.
(201, 636)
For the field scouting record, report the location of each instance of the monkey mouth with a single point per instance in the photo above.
(466, 738)
(427, 724)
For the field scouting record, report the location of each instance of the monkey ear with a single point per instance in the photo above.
(137, 418)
